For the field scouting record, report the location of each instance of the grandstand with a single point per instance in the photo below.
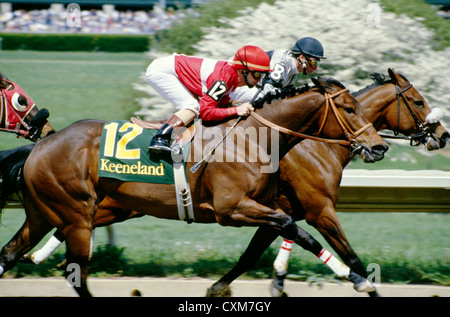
(93, 17)
(96, 4)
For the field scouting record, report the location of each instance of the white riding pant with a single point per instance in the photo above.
(162, 77)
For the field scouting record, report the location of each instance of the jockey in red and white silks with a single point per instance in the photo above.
(198, 86)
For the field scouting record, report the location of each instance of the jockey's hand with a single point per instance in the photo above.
(244, 109)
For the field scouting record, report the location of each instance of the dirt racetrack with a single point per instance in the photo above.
(196, 287)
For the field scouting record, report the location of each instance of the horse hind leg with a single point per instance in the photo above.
(280, 268)
(261, 240)
(78, 242)
(24, 240)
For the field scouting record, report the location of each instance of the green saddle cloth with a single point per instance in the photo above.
(124, 155)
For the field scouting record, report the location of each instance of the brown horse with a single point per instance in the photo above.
(19, 114)
(111, 212)
(389, 104)
(62, 188)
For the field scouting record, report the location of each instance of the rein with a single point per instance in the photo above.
(329, 103)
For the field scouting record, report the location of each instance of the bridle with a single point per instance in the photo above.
(329, 103)
(415, 139)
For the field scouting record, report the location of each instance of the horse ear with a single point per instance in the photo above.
(318, 84)
(393, 75)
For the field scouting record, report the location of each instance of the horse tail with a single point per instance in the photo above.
(11, 175)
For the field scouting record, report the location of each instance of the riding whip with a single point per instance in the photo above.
(197, 165)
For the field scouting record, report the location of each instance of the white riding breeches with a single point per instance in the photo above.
(162, 77)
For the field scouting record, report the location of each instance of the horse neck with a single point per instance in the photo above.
(299, 113)
(375, 103)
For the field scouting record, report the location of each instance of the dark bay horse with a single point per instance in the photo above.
(19, 114)
(62, 189)
(389, 104)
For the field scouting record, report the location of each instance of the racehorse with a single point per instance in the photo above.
(392, 104)
(62, 189)
(110, 212)
(19, 114)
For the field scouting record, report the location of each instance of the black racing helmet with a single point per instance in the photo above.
(308, 46)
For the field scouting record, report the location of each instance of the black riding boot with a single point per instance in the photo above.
(161, 140)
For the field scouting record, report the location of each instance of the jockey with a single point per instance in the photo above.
(197, 86)
(304, 57)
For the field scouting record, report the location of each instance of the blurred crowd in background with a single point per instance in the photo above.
(106, 20)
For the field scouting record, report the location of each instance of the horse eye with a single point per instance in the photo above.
(419, 103)
(350, 110)
(19, 102)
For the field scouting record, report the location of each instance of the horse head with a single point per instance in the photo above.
(414, 117)
(19, 114)
(350, 119)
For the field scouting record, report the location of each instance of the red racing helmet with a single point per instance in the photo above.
(252, 58)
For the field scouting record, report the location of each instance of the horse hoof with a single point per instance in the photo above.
(27, 258)
(360, 284)
(364, 287)
(374, 294)
(276, 291)
(217, 291)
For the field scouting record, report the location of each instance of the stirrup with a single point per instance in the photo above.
(159, 145)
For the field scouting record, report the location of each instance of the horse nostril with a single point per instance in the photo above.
(380, 149)
(446, 136)
(443, 140)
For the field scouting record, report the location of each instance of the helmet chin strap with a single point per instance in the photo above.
(304, 68)
(245, 74)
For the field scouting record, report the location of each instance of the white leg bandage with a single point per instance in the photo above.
(280, 265)
(1, 270)
(42, 254)
(339, 268)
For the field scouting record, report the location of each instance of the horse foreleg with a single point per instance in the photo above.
(261, 240)
(328, 224)
(23, 241)
(309, 243)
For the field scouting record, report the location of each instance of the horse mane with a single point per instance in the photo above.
(3, 81)
(11, 164)
(332, 81)
(379, 80)
(288, 91)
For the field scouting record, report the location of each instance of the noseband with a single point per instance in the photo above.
(329, 103)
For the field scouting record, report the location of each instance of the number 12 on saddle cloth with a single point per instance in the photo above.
(124, 155)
